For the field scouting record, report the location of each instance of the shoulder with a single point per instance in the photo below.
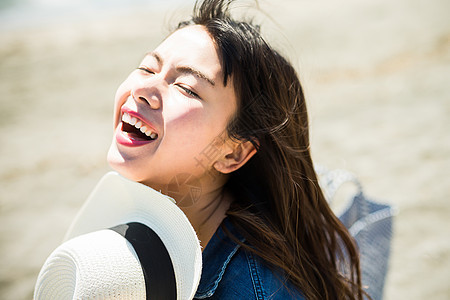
(247, 277)
(230, 272)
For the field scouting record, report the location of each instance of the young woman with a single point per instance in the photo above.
(216, 118)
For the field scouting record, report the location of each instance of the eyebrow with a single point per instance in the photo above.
(190, 70)
(156, 56)
(182, 69)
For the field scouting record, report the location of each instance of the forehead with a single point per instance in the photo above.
(191, 46)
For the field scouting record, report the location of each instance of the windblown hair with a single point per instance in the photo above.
(279, 207)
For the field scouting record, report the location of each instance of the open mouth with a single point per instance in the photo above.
(136, 129)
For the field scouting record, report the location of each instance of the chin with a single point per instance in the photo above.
(124, 167)
(118, 164)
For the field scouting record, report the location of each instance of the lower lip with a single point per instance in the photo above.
(124, 139)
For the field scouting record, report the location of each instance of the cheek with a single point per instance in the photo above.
(121, 93)
(187, 119)
(120, 98)
(189, 128)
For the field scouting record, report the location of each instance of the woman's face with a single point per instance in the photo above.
(178, 100)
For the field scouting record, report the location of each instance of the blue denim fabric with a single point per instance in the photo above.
(369, 222)
(230, 272)
(233, 273)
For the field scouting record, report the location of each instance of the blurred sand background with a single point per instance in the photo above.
(376, 75)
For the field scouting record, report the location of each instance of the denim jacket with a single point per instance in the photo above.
(230, 272)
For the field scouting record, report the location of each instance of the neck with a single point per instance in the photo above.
(204, 202)
(207, 211)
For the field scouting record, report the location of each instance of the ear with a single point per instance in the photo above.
(239, 154)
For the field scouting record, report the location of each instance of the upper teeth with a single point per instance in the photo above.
(139, 125)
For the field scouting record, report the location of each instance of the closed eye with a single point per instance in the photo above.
(146, 70)
(188, 91)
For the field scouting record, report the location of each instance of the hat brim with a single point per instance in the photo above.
(117, 200)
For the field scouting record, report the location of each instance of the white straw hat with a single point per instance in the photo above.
(127, 242)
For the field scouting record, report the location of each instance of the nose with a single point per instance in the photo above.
(148, 94)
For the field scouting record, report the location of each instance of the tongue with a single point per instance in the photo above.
(137, 136)
(134, 133)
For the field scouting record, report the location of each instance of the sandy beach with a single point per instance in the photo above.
(376, 79)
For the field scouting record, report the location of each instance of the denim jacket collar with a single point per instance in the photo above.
(216, 256)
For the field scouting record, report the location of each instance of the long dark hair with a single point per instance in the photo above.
(279, 207)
